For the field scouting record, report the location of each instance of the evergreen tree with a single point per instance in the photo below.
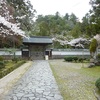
(95, 15)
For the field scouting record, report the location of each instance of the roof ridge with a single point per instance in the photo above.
(38, 39)
(40, 36)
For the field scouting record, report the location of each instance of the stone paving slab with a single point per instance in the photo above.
(9, 80)
(37, 84)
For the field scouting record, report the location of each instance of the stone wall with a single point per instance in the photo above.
(61, 53)
(9, 56)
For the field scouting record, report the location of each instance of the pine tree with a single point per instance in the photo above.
(95, 14)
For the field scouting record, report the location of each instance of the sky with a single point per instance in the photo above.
(46, 7)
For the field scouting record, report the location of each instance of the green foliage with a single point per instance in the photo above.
(95, 14)
(98, 56)
(97, 83)
(93, 46)
(15, 59)
(51, 25)
(5, 71)
(2, 64)
(76, 31)
(85, 25)
(57, 45)
(23, 13)
(1, 58)
(70, 59)
(73, 18)
(74, 58)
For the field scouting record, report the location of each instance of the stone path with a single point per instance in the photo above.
(37, 84)
(9, 80)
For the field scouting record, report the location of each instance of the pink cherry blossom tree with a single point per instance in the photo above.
(8, 26)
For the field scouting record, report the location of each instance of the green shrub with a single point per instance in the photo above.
(15, 59)
(70, 59)
(2, 65)
(82, 59)
(67, 59)
(1, 58)
(93, 46)
(6, 61)
(97, 83)
(74, 58)
(98, 56)
(10, 69)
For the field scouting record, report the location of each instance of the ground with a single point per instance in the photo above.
(75, 80)
(38, 83)
(7, 82)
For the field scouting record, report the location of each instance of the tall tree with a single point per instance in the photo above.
(66, 17)
(23, 13)
(85, 25)
(6, 11)
(95, 14)
(8, 26)
(7, 22)
(76, 31)
(73, 18)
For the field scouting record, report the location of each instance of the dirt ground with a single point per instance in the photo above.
(75, 80)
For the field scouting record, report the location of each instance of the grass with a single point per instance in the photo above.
(10, 63)
(93, 72)
(9, 67)
(75, 81)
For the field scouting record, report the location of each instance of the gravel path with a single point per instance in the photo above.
(37, 84)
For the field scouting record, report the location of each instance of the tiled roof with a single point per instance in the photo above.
(38, 39)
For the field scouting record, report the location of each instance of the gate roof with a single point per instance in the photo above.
(38, 40)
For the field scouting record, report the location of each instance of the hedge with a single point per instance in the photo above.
(1, 58)
(70, 59)
(98, 56)
(2, 64)
(97, 83)
(74, 58)
(10, 69)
